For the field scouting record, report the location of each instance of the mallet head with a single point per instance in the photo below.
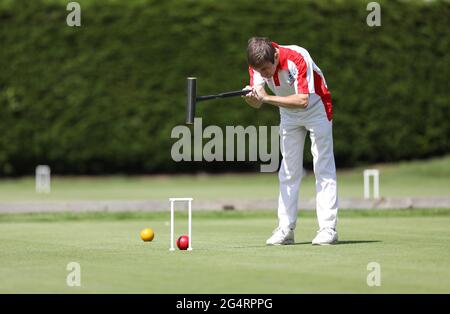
(191, 99)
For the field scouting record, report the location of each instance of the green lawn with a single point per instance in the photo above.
(229, 256)
(419, 178)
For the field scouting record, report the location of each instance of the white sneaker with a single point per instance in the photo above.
(325, 236)
(281, 236)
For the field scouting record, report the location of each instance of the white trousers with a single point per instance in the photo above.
(292, 140)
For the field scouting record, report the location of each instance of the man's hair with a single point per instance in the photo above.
(260, 51)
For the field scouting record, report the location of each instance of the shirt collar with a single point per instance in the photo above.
(282, 64)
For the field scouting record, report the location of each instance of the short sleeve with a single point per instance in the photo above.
(255, 77)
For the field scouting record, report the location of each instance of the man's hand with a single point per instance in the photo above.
(260, 92)
(251, 98)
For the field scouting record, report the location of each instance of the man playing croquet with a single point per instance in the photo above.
(301, 93)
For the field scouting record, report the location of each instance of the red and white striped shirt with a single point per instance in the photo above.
(296, 74)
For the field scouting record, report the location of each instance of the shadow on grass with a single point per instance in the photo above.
(309, 243)
(345, 242)
(358, 242)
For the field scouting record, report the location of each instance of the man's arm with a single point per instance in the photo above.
(292, 101)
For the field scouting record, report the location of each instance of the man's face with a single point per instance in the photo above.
(267, 70)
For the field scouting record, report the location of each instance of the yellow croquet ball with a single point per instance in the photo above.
(147, 234)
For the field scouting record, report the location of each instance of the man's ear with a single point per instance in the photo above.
(276, 57)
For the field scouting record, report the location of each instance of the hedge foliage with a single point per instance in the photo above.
(104, 97)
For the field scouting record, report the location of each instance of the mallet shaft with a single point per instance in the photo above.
(224, 95)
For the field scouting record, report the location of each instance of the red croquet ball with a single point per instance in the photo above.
(183, 242)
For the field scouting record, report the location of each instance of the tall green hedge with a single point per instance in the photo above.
(104, 97)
